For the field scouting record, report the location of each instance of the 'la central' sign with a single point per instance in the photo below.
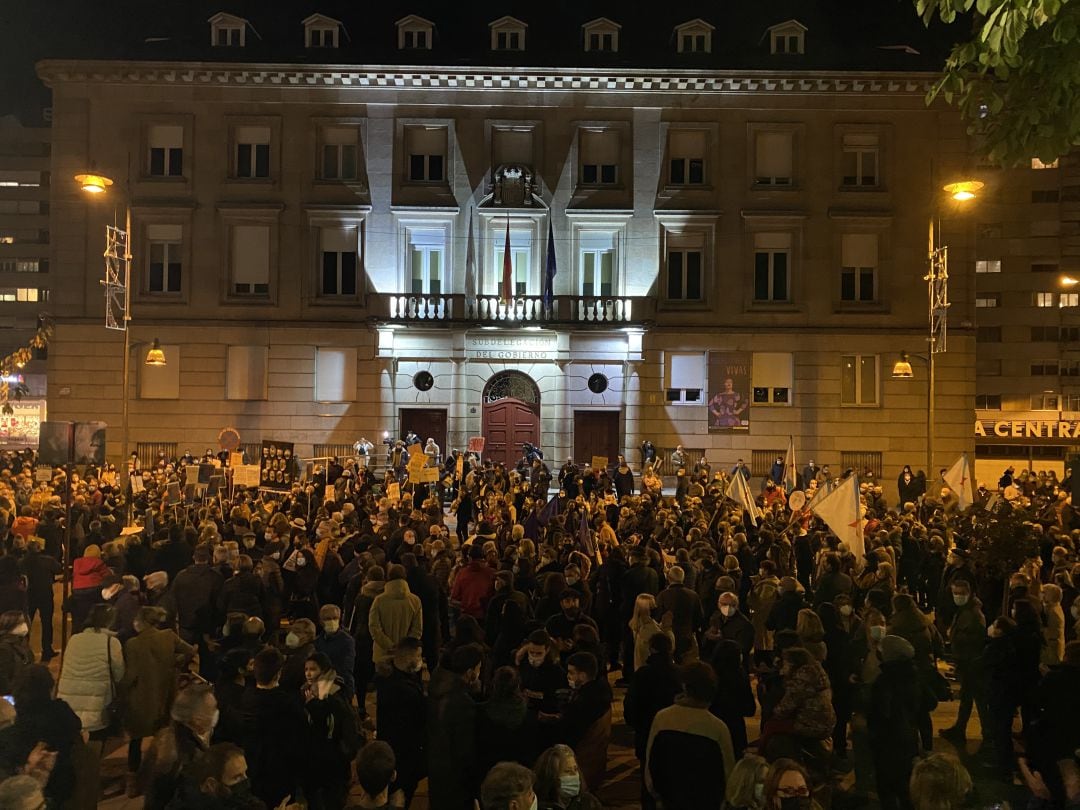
(494, 346)
(1027, 429)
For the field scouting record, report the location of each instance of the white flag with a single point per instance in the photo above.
(840, 509)
(470, 269)
(959, 480)
(739, 492)
(791, 478)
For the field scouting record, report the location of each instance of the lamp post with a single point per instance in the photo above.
(117, 283)
(937, 289)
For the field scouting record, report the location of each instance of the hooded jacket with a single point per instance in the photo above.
(395, 614)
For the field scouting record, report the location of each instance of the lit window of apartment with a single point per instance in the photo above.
(16, 178)
(415, 33)
(601, 35)
(772, 265)
(988, 300)
(787, 38)
(1068, 300)
(24, 265)
(507, 34)
(321, 31)
(252, 152)
(988, 265)
(23, 295)
(339, 153)
(165, 150)
(1043, 299)
(227, 31)
(599, 157)
(858, 267)
(165, 259)
(684, 378)
(596, 260)
(338, 251)
(694, 36)
(250, 270)
(686, 157)
(773, 158)
(425, 154)
(427, 260)
(860, 160)
(859, 379)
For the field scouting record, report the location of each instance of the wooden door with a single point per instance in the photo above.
(508, 424)
(428, 423)
(596, 433)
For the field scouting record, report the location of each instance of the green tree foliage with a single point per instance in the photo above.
(1016, 81)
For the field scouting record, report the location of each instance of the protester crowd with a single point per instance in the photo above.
(328, 647)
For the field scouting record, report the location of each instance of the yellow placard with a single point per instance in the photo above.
(393, 491)
(415, 450)
(236, 459)
(429, 475)
(417, 462)
(599, 462)
(459, 470)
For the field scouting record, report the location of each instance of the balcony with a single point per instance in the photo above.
(529, 310)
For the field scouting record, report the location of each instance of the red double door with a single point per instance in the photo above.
(508, 424)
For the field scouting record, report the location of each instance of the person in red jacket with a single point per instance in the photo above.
(474, 585)
(25, 524)
(88, 572)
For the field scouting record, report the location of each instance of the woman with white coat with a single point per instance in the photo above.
(93, 666)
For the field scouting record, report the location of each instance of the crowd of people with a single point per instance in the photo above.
(328, 647)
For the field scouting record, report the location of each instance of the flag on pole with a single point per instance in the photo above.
(958, 478)
(841, 511)
(550, 510)
(585, 535)
(551, 269)
(470, 268)
(791, 478)
(739, 492)
(506, 293)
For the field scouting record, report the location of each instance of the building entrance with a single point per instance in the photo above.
(511, 416)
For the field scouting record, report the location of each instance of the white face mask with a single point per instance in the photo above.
(570, 785)
(214, 718)
(759, 792)
(960, 599)
(845, 610)
(877, 632)
(301, 561)
(331, 625)
(292, 641)
(21, 629)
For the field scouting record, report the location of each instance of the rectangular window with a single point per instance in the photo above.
(684, 273)
(773, 158)
(858, 273)
(686, 157)
(166, 262)
(1044, 267)
(19, 178)
(339, 260)
(597, 262)
(24, 265)
(988, 402)
(1043, 299)
(601, 41)
(508, 40)
(988, 265)
(1045, 334)
(1044, 368)
(1069, 368)
(252, 152)
(339, 153)
(166, 157)
(772, 262)
(772, 375)
(520, 260)
(1069, 300)
(335, 374)
(246, 372)
(860, 160)
(988, 300)
(988, 334)
(322, 38)
(415, 39)
(426, 151)
(228, 36)
(599, 157)
(684, 377)
(859, 379)
(23, 295)
(1046, 401)
(427, 258)
(251, 260)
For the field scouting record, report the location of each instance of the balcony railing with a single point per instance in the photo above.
(525, 310)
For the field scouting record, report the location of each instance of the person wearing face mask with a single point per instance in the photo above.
(559, 783)
(574, 580)
(957, 567)
(401, 709)
(299, 644)
(332, 739)
(746, 784)
(504, 592)
(339, 647)
(731, 624)
(15, 653)
(561, 626)
(218, 779)
(179, 746)
(585, 722)
(787, 787)
(541, 675)
(967, 637)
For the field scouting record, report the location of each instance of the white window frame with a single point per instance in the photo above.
(772, 244)
(857, 363)
(339, 240)
(674, 136)
(1043, 299)
(594, 245)
(694, 33)
(236, 230)
(685, 245)
(503, 29)
(1067, 300)
(775, 372)
(987, 266)
(170, 238)
(426, 243)
(857, 268)
(327, 29)
(861, 146)
(413, 29)
(988, 301)
(685, 378)
(522, 257)
(338, 140)
(234, 28)
(606, 33)
(787, 39)
(169, 139)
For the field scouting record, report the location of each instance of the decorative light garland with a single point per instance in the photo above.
(14, 362)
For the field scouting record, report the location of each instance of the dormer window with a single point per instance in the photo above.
(601, 35)
(227, 31)
(507, 34)
(414, 33)
(694, 36)
(787, 38)
(321, 31)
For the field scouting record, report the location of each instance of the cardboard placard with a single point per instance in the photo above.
(459, 468)
(236, 459)
(599, 462)
(417, 462)
(206, 472)
(217, 483)
(43, 475)
(476, 444)
(172, 494)
(393, 492)
(246, 475)
(429, 475)
(137, 484)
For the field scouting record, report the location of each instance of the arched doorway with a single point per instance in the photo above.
(511, 416)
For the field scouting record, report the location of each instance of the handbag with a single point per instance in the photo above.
(114, 706)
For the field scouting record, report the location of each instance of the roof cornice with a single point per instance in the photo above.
(396, 77)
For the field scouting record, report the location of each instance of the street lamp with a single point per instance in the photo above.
(117, 285)
(937, 288)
